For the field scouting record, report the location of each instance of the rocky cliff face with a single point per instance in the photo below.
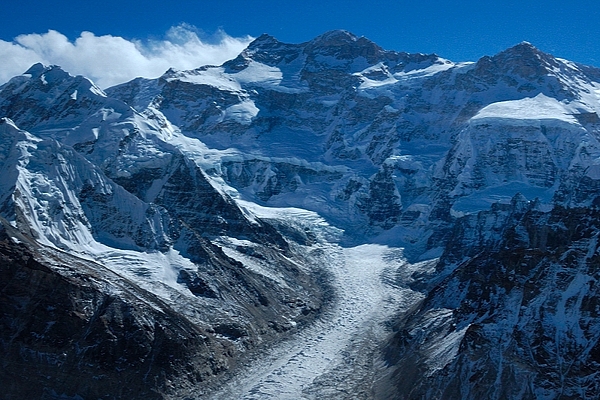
(71, 327)
(306, 109)
(516, 315)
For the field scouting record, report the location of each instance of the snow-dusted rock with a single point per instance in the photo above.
(171, 183)
(105, 187)
(342, 101)
(516, 315)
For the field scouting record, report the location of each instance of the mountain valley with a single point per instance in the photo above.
(323, 220)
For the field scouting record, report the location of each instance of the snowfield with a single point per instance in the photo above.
(527, 111)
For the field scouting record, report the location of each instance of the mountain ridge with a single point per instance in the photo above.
(223, 192)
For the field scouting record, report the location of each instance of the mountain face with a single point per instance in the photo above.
(69, 319)
(159, 219)
(391, 140)
(180, 263)
(520, 307)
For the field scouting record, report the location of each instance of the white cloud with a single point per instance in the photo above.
(109, 60)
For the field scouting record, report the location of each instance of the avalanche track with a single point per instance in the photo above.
(336, 356)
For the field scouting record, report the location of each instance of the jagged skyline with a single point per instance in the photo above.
(308, 220)
(460, 32)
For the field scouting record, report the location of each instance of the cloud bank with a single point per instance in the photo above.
(110, 60)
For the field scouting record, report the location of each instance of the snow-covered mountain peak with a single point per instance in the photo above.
(336, 37)
(524, 51)
(523, 59)
(184, 183)
(523, 47)
(263, 40)
(525, 71)
(336, 49)
(36, 70)
(265, 49)
(50, 98)
(296, 68)
(54, 76)
(342, 100)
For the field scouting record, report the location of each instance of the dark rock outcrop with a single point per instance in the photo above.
(71, 328)
(517, 315)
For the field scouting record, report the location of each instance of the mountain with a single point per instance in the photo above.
(519, 307)
(198, 220)
(372, 131)
(109, 197)
(313, 98)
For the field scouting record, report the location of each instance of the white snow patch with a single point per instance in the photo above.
(525, 112)
(441, 66)
(444, 350)
(371, 83)
(593, 172)
(259, 73)
(483, 199)
(329, 103)
(151, 270)
(242, 112)
(255, 74)
(265, 268)
(368, 83)
(96, 90)
(211, 76)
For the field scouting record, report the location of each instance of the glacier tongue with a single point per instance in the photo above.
(314, 363)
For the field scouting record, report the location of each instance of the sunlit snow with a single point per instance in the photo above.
(526, 111)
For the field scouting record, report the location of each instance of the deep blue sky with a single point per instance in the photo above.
(458, 30)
